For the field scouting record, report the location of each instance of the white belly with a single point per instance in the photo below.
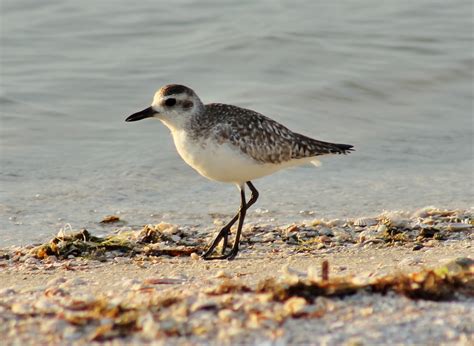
(222, 162)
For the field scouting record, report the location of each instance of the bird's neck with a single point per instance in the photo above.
(176, 122)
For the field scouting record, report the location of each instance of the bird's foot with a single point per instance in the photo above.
(231, 255)
(228, 256)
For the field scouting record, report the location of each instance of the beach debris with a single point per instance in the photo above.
(163, 281)
(295, 306)
(110, 219)
(83, 244)
(228, 286)
(325, 270)
(443, 283)
(222, 274)
(164, 239)
(159, 308)
(165, 307)
(365, 221)
(267, 306)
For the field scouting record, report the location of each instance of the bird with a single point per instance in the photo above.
(230, 144)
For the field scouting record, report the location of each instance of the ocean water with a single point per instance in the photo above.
(395, 79)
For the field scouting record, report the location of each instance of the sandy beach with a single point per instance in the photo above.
(102, 223)
(395, 278)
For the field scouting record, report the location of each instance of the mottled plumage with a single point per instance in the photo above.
(258, 136)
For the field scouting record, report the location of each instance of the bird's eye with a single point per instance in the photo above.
(170, 102)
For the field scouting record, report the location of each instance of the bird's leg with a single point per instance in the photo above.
(253, 196)
(240, 216)
(252, 200)
(243, 210)
(225, 241)
(225, 231)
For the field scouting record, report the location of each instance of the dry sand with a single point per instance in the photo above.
(185, 300)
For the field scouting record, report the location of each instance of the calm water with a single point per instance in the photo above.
(394, 79)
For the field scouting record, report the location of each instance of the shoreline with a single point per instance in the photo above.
(123, 290)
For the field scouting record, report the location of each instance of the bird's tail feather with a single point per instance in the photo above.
(345, 148)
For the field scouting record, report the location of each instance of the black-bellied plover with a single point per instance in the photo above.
(231, 144)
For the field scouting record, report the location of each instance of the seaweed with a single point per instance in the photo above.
(440, 284)
(83, 244)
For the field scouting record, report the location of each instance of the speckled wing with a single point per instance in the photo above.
(264, 139)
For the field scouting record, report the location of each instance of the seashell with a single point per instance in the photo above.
(53, 326)
(342, 235)
(54, 291)
(382, 229)
(45, 306)
(454, 227)
(22, 308)
(368, 235)
(291, 229)
(75, 282)
(127, 283)
(325, 231)
(269, 237)
(204, 304)
(336, 222)
(149, 326)
(7, 292)
(162, 281)
(365, 221)
(122, 260)
(423, 212)
(261, 211)
(222, 274)
(290, 275)
(166, 228)
(175, 238)
(225, 315)
(295, 306)
(410, 261)
(393, 220)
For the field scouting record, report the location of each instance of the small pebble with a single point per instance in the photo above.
(55, 282)
(175, 238)
(6, 292)
(123, 260)
(325, 231)
(32, 260)
(222, 274)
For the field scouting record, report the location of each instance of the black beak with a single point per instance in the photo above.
(146, 113)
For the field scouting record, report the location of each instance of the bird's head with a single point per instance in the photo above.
(173, 104)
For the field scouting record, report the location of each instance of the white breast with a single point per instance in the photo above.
(223, 162)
